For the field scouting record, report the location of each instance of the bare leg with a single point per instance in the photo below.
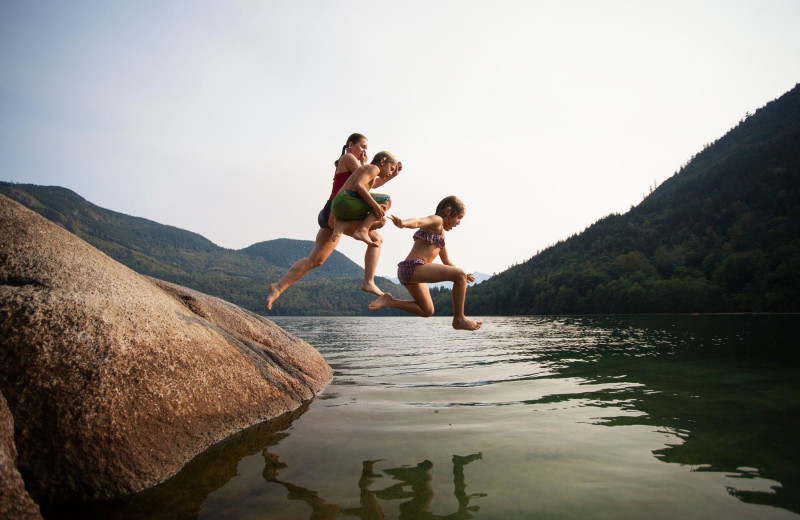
(371, 221)
(371, 265)
(323, 247)
(459, 295)
(362, 233)
(421, 305)
(431, 273)
(338, 229)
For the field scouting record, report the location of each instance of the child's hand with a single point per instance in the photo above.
(470, 278)
(379, 211)
(397, 221)
(363, 157)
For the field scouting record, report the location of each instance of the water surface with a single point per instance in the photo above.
(596, 417)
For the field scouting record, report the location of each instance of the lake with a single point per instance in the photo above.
(530, 417)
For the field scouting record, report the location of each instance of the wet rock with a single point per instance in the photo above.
(116, 380)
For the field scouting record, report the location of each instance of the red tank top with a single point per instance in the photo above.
(338, 181)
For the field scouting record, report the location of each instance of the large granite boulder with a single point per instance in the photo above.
(116, 380)
(15, 502)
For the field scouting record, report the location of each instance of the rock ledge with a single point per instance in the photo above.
(115, 380)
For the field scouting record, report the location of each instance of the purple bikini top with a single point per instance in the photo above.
(436, 239)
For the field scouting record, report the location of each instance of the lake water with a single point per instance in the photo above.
(531, 417)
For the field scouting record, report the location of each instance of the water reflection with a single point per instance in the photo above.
(183, 496)
(574, 417)
(413, 486)
(725, 387)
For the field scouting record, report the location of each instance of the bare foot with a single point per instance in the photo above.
(466, 324)
(363, 235)
(370, 287)
(381, 303)
(273, 295)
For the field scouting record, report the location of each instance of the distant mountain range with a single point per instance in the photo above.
(721, 235)
(186, 258)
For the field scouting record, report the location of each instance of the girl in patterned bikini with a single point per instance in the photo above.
(418, 269)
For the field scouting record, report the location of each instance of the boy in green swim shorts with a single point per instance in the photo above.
(355, 202)
(348, 205)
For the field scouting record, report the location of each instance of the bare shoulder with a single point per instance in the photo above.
(368, 169)
(432, 223)
(349, 162)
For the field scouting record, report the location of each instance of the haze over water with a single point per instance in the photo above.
(532, 417)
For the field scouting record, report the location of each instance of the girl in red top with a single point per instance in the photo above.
(354, 155)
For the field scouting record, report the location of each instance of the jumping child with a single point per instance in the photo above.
(354, 202)
(418, 269)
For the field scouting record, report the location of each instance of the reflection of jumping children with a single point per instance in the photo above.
(417, 269)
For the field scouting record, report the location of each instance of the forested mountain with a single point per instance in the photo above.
(721, 235)
(186, 258)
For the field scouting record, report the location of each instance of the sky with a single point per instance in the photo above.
(225, 118)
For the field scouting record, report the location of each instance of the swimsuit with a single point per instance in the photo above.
(348, 205)
(406, 268)
(338, 181)
(436, 239)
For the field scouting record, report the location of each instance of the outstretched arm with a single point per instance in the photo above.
(431, 223)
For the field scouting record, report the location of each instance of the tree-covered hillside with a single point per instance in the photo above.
(721, 235)
(186, 258)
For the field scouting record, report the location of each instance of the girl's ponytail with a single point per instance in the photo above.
(354, 138)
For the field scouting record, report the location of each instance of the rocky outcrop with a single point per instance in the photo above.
(116, 380)
(15, 502)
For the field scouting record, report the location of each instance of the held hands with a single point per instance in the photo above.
(397, 221)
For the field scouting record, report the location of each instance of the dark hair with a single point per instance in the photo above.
(354, 138)
(450, 206)
(380, 156)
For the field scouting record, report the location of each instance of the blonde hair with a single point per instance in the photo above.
(450, 207)
(380, 156)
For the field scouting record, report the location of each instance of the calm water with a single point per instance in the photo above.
(612, 417)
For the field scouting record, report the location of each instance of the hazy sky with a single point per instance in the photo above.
(224, 118)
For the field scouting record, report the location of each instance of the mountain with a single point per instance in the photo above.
(188, 259)
(721, 235)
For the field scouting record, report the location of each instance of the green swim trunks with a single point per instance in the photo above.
(348, 205)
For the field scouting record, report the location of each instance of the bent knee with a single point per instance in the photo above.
(460, 277)
(315, 261)
(427, 311)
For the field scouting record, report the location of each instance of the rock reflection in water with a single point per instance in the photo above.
(183, 496)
